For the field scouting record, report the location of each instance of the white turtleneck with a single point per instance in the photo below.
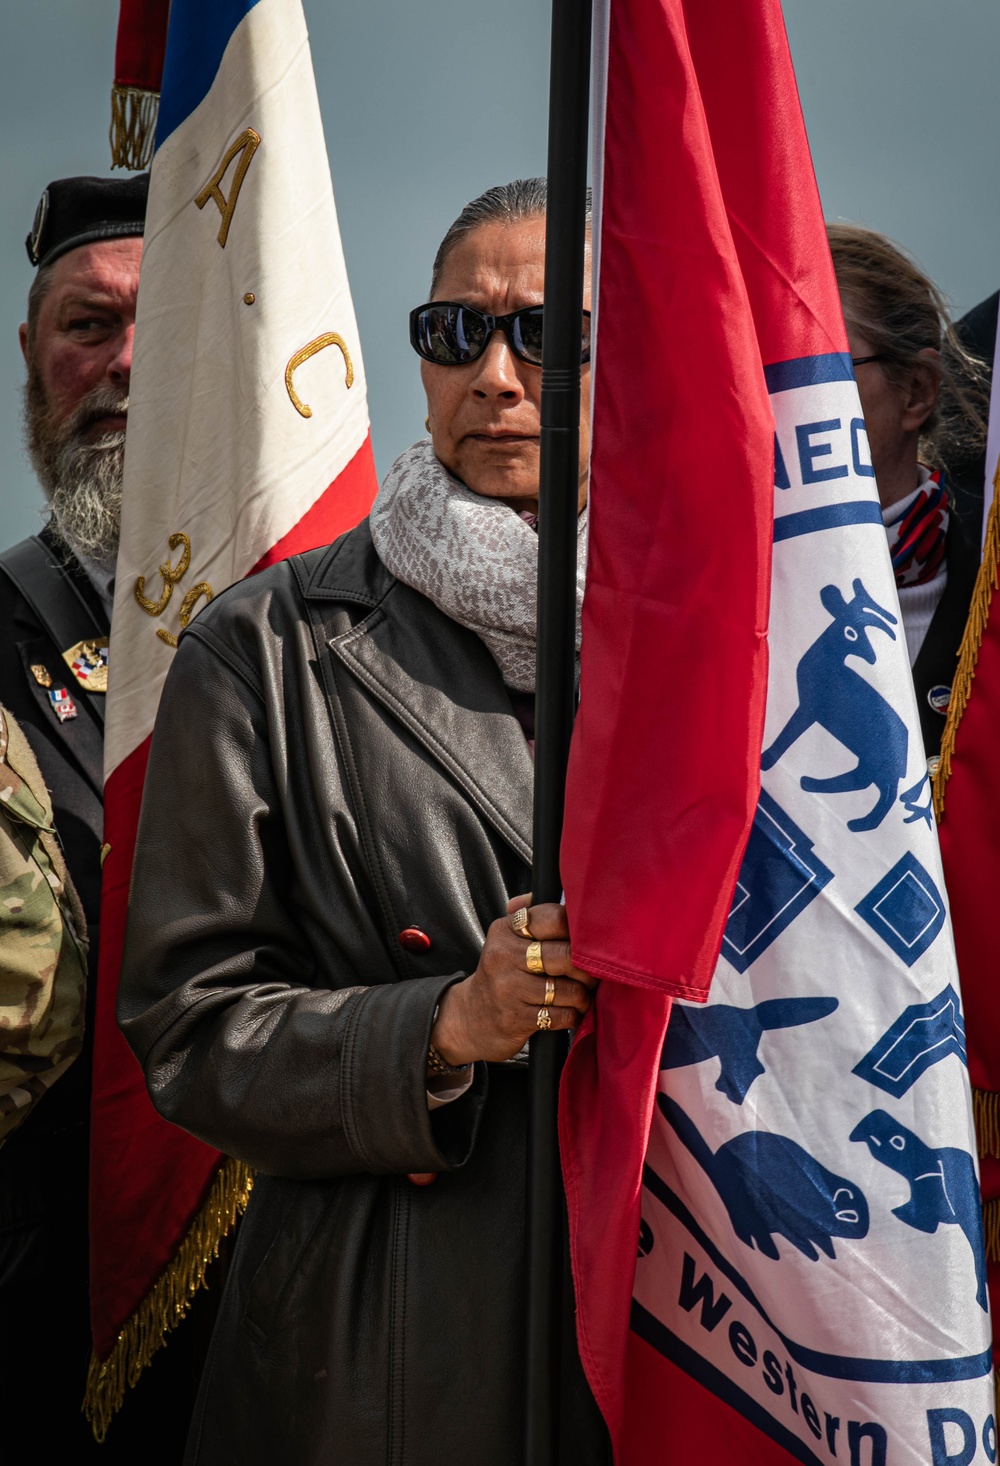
(917, 603)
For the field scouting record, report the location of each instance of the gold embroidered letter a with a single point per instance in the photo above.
(246, 144)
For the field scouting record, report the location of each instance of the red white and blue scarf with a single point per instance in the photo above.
(918, 533)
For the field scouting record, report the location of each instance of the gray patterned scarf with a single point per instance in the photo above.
(473, 557)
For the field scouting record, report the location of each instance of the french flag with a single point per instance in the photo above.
(248, 441)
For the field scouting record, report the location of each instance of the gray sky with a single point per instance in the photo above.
(425, 104)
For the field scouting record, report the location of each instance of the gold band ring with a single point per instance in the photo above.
(519, 921)
(533, 958)
(550, 992)
(544, 1019)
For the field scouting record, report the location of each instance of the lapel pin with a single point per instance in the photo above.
(62, 704)
(41, 674)
(88, 661)
(939, 697)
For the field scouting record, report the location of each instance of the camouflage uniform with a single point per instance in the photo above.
(43, 963)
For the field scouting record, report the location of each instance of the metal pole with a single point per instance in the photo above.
(555, 697)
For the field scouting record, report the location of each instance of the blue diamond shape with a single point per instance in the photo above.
(780, 875)
(906, 909)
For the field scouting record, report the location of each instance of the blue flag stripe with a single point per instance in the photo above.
(808, 371)
(830, 516)
(196, 42)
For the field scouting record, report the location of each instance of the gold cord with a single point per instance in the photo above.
(972, 640)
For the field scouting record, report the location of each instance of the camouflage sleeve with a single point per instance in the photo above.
(43, 962)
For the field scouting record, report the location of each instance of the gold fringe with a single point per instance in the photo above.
(972, 640)
(133, 126)
(168, 1300)
(991, 1226)
(986, 1113)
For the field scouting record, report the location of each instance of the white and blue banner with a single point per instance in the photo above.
(812, 1246)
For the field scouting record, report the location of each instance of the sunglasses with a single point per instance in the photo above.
(450, 334)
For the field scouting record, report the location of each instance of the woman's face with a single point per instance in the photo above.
(894, 415)
(485, 418)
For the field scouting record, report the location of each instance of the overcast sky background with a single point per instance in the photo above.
(427, 102)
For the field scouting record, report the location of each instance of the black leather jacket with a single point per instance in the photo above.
(336, 761)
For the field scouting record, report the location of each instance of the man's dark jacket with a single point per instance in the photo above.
(336, 761)
(44, 1166)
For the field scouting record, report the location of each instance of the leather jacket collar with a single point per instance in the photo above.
(405, 652)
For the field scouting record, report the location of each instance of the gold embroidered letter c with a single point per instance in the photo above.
(329, 338)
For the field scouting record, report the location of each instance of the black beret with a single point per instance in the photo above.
(76, 211)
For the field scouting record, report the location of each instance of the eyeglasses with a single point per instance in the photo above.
(864, 360)
(451, 334)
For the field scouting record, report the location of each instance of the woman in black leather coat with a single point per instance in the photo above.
(324, 972)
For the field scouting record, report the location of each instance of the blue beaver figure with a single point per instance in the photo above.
(840, 700)
(943, 1184)
(770, 1185)
(733, 1034)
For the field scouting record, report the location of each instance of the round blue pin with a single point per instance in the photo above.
(939, 697)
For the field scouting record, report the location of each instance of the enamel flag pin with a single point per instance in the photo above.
(88, 661)
(62, 704)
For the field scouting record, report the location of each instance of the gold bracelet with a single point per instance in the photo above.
(437, 1065)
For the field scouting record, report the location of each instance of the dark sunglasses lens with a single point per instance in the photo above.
(450, 334)
(527, 334)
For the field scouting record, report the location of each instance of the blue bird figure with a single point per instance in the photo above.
(771, 1187)
(733, 1035)
(943, 1184)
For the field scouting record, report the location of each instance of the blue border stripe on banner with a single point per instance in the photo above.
(835, 1366)
(809, 371)
(830, 516)
(671, 1347)
(200, 31)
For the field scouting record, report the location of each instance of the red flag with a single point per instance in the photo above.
(713, 264)
(967, 794)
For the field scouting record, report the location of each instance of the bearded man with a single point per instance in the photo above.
(55, 608)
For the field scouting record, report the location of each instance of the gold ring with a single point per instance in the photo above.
(550, 992)
(519, 921)
(533, 958)
(544, 1019)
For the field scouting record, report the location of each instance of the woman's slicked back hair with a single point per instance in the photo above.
(508, 203)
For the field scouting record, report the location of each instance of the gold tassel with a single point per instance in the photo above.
(168, 1300)
(972, 640)
(133, 126)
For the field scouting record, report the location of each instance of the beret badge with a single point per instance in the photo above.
(35, 237)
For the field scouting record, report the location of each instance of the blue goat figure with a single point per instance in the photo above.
(840, 700)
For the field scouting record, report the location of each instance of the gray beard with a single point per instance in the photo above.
(80, 476)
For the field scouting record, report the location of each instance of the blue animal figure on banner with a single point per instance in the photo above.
(771, 1187)
(944, 1188)
(837, 698)
(733, 1035)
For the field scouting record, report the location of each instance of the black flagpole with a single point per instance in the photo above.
(569, 106)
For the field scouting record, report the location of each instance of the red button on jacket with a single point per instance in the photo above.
(412, 939)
